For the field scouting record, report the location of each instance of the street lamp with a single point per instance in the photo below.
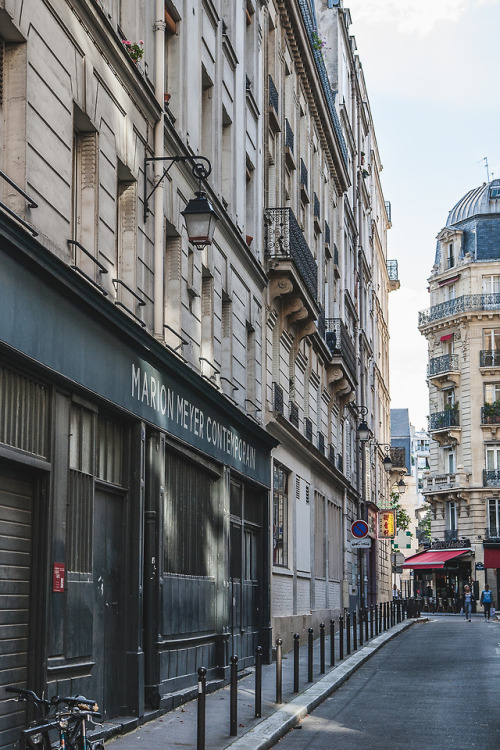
(199, 214)
(401, 486)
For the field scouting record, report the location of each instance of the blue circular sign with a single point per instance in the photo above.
(359, 529)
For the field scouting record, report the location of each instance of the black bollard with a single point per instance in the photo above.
(258, 683)
(377, 615)
(310, 655)
(361, 617)
(348, 632)
(366, 624)
(233, 709)
(341, 637)
(279, 671)
(332, 642)
(322, 667)
(372, 626)
(296, 657)
(385, 615)
(354, 631)
(202, 694)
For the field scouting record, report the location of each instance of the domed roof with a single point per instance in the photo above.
(479, 201)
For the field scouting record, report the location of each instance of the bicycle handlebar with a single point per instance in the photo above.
(75, 701)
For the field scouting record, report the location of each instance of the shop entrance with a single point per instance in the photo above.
(16, 508)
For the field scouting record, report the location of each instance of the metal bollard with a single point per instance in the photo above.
(202, 695)
(341, 637)
(233, 709)
(296, 657)
(348, 632)
(279, 671)
(385, 615)
(361, 626)
(354, 631)
(258, 683)
(366, 624)
(310, 655)
(377, 620)
(332, 642)
(372, 627)
(322, 667)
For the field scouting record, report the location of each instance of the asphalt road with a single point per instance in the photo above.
(434, 687)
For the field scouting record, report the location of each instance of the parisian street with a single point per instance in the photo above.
(436, 685)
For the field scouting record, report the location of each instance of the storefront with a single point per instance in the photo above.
(137, 496)
(439, 576)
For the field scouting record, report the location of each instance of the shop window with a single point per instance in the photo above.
(24, 413)
(81, 490)
(81, 440)
(109, 451)
(280, 515)
(191, 522)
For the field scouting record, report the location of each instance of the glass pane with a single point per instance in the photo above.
(86, 441)
(74, 439)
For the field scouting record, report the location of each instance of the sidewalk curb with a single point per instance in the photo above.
(265, 734)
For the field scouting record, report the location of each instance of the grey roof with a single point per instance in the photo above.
(400, 423)
(475, 202)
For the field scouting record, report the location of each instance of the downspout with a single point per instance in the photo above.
(159, 146)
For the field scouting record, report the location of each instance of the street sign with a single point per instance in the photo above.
(359, 529)
(365, 543)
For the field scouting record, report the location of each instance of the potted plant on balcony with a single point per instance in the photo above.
(491, 412)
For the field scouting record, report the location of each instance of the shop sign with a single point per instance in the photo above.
(386, 524)
(58, 578)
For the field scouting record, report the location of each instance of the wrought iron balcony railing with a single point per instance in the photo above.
(278, 399)
(284, 239)
(304, 176)
(294, 414)
(489, 358)
(490, 414)
(327, 235)
(465, 303)
(492, 532)
(450, 535)
(491, 477)
(392, 270)
(289, 136)
(308, 428)
(321, 442)
(340, 343)
(439, 365)
(273, 95)
(316, 206)
(335, 255)
(442, 420)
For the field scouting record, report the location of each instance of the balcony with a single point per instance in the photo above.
(492, 532)
(278, 399)
(342, 372)
(273, 109)
(289, 146)
(294, 414)
(489, 361)
(308, 428)
(490, 420)
(445, 426)
(450, 535)
(467, 303)
(444, 370)
(491, 477)
(291, 267)
(441, 482)
(392, 270)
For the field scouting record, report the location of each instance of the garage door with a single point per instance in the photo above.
(15, 568)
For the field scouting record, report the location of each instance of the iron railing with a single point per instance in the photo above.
(316, 207)
(304, 175)
(450, 535)
(492, 532)
(284, 239)
(327, 233)
(392, 270)
(490, 414)
(273, 95)
(278, 400)
(308, 428)
(489, 358)
(321, 442)
(310, 25)
(335, 255)
(320, 323)
(294, 414)
(340, 343)
(441, 420)
(465, 303)
(289, 136)
(491, 477)
(445, 363)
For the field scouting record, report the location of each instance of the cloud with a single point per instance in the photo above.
(410, 17)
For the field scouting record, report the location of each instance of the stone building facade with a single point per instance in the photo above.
(461, 328)
(178, 419)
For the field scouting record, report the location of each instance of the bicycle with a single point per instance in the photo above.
(65, 717)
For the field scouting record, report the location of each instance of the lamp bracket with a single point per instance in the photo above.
(200, 167)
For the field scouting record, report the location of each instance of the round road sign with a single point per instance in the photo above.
(359, 529)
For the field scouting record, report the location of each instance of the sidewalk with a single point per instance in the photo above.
(178, 728)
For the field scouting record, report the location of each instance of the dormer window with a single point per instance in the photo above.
(494, 192)
(450, 256)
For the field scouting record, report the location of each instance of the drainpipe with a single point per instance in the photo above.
(159, 27)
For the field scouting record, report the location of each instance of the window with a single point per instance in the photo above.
(280, 515)
(109, 451)
(81, 440)
(494, 516)
(334, 541)
(450, 255)
(450, 292)
(491, 284)
(451, 515)
(450, 461)
(491, 392)
(319, 536)
(491, 339)
(494, 192)
(493, 458)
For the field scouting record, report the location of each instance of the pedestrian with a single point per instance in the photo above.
(486, 601)
(467, 602)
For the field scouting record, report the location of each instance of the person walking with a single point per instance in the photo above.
(467, 602)
(486, 599)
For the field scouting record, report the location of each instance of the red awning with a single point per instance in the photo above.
(451, 280)
(447, 337)
(491, 557)
(434, 559)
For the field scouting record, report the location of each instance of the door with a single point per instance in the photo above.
(15, 576)
(109, 612)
